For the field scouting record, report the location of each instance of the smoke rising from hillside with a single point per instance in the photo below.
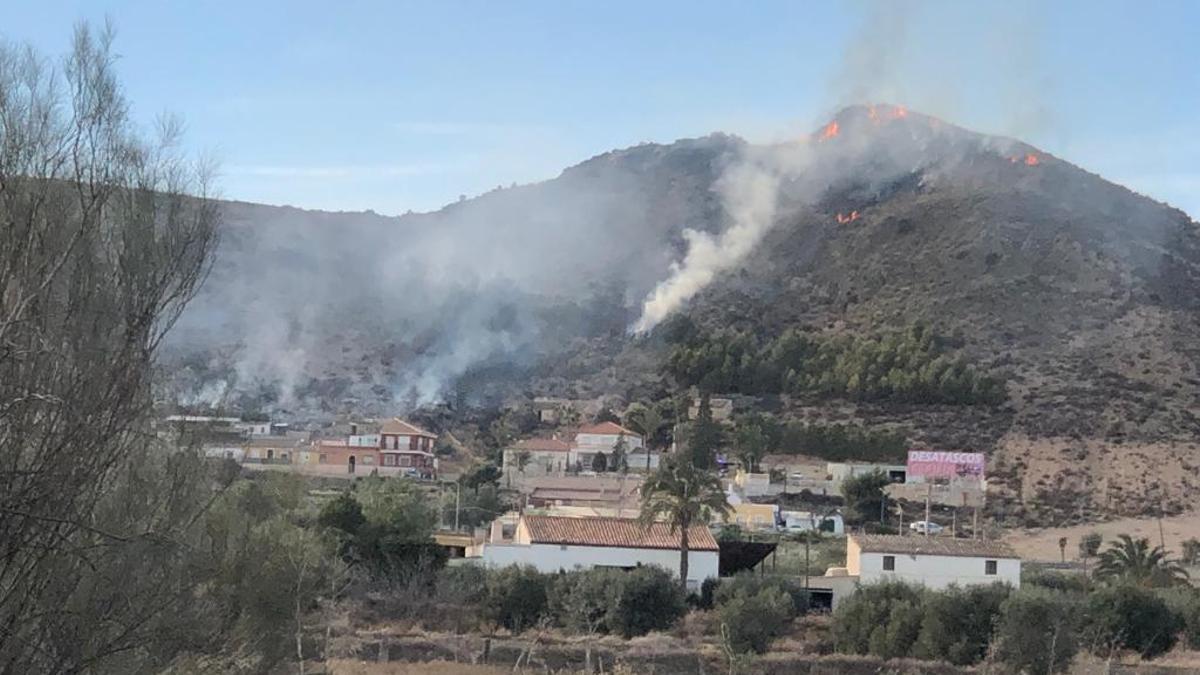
(749, 191)
(381, 312)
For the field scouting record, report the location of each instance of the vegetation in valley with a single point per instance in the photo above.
(912, 366)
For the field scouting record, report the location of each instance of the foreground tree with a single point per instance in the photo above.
(1132, 561)
(682, 495)
(104, 237)
(864, 495)
(647, 420)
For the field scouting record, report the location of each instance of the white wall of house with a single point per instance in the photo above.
(364, 441)
(554, 557)
(605, 442)
(933, 571)
(541, 462)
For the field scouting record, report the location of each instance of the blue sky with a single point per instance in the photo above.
(394, 106)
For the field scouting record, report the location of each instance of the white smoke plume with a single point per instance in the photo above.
(749, 191)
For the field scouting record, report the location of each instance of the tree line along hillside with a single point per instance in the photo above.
(915, 365)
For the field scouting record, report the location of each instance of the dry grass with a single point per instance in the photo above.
(349, 667)
(1042, 543)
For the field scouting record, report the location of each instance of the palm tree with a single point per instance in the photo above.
(682, 495)
(1129, 559)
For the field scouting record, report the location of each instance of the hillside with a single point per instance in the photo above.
(1081, 293)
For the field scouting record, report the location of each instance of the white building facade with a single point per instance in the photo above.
(554, 543)
(934, 562)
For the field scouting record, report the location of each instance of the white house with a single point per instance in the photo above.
(542, 456)
(935, 562)
(840, 471)
(553, 543)
(804, 521)
(603, 437)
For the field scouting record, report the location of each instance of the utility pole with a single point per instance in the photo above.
(975, 525)
(928, 498)
(457, 502)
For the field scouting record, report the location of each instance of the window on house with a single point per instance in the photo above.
(989, 567)
(367, 459)
(412, 442)
(389, 460)
(889, 563)
(322, 458)
(405, 460)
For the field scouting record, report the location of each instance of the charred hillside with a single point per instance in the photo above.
(1081, 296)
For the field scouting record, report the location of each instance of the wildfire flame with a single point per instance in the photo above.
(899, 111)
(830, 130)
(1031, 159)
(843, 218)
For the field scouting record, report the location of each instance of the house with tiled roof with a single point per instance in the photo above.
(537, 456)
(592, 439)
(554, 543)
(936, 562)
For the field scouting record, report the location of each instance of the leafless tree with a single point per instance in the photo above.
(104, 238)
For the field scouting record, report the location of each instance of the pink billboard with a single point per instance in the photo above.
(934, 464)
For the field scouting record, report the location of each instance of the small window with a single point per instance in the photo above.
(889, 563)
(389, 460)
(367, 459)
(322, 458)
(989, 567)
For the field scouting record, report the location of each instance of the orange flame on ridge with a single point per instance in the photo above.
(843, 218)
(1031, 160)
(830, 130)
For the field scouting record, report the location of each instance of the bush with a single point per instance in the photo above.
(1036, 631)
(1184, 603)
(708, 590)
(515, 597)
(752, 619)
(648, 598)
(580, 601)
(748, 584)
(1056, 581)
(1128, 617)
(882, 619)
(957, 623)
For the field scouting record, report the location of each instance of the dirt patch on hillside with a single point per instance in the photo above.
(1063, 481)
(1042, 544)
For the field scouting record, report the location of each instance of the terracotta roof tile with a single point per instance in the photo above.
(621, 532)
(543, 445)
(921, 545)
(399, 426)
(606, 428)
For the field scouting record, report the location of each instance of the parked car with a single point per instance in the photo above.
(925, 527)
(797, 476)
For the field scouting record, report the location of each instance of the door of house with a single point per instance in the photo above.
(351, 463)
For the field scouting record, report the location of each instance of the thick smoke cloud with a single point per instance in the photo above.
(378, 311)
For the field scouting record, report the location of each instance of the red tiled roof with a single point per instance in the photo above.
(399, 426)
(607, 428)
(543, 445)
(619, 532)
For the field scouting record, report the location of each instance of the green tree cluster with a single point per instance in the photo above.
(588, 602)
(754, 610)
(385, 527)
(911, 366)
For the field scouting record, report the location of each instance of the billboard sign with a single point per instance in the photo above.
(930, 464)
